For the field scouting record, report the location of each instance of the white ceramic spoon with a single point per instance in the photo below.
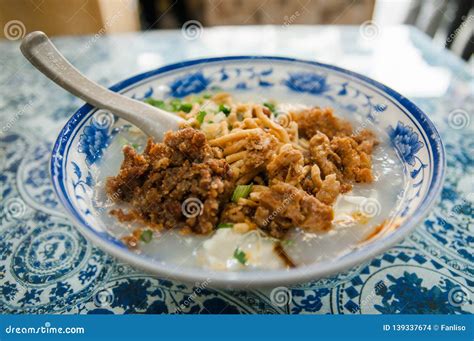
(41, 52)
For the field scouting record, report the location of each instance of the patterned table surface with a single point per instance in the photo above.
(46, 266)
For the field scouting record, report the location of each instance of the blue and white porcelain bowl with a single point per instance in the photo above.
(87, 140)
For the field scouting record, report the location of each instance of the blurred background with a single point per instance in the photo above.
(448, 22)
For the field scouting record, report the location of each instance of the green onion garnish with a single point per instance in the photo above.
(270, 106)
(225, 225)
(206, 96)
(200, 116)
(240, 256)
(225, 109)
(175, 104)
(186, 107)
(155, 102)
(146, 236)
(241, 191)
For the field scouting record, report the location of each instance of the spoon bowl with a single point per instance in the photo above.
(85, 147)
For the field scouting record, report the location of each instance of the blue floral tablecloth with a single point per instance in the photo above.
(46, 266)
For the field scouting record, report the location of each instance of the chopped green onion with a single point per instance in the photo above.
(287, 242)
(206, 96)
(241, 191)
(200, 116)
(240, 256)
(225, 109)
(270, 106)
(175, 104)
(155, 102)
(186, 107)
(135, 145)
(146, 236)
(225, 225)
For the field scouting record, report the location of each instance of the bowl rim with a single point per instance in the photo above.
(262, 278)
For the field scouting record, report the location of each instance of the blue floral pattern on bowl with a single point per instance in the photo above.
(192, 83)
(240, 78)
(309, 82)
(405, 141)
(232, 78)
(96, 137)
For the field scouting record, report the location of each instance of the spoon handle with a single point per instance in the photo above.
(41, 52)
